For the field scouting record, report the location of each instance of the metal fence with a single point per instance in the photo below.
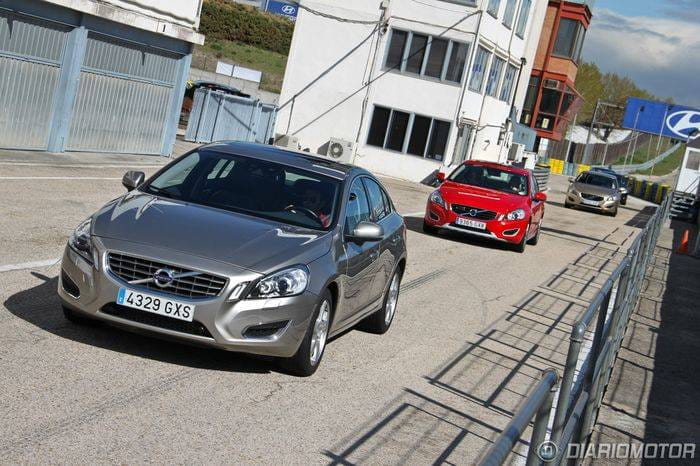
(585, 376)
(624, 169)
(217, 116)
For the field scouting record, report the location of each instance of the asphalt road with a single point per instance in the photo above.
(75, 394)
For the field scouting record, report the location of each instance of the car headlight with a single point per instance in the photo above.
(81, 240)
(517, 214)
(612, 198)
(436, 198)
(287, 282)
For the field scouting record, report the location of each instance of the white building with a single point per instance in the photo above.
(94, 75)
(418, 85)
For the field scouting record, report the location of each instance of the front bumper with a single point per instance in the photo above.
(603, 206)
(499, 229)
(223, 322)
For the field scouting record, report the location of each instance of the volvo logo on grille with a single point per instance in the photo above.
(473, 212)
(163, 277)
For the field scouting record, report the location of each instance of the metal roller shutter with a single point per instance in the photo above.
(123, 97)
(31, 52)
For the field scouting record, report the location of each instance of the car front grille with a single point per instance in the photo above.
(155, 320)
(130, 268)
(591, 197)
(481, 214)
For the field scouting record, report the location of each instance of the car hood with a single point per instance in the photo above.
(481, 198)
(596, 190)
(255, 244)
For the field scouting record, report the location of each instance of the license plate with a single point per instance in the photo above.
(155, 304)
(465, 222)
(589, 202)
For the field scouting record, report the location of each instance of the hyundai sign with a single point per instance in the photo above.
(282, 8)
(673, 121)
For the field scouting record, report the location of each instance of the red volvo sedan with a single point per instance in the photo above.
(489, 200)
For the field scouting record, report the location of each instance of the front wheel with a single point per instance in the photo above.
(623, 201)
(536, 239)
(520, 247)
(380, 321)
(308, 357)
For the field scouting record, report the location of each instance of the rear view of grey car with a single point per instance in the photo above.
(242, 247)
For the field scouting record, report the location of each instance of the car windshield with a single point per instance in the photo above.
(491, 178)
(597, 180)
(251, 186)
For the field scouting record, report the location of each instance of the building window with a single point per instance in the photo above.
(693, 162)
(416, 53)
(409, 133)
(492, 8)
(530, 100)
(555, 103)
(522, 18)
(436, 58)
(509, 14)
(426, 56)
(495, 76)
(458, 60)
(397, 44)
(570, 37)
(481, 61)
(508, 83)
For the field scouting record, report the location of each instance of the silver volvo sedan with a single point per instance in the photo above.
(242, 247)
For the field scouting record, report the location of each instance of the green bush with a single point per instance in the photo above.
(235, 22)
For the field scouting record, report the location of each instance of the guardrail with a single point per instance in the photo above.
(588, 368)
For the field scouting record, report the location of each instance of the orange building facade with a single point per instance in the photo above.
(552, 99)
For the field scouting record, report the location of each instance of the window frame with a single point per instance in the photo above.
(498, 79)
(487, 67)
(446, 60)
(576, 46)
(523, 18)
(409, 132)
(347, 201)
(493, 7)
(388, 207)
(513, 12)
(507, 98)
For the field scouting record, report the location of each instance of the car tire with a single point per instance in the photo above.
(76, 317)
(614, 213)
(380, 321)
(310, 353)
(536, 239)
(623, 201)
(520, 247)
(429, 229)
(567, 205)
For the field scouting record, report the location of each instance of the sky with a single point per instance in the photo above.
(654, 42)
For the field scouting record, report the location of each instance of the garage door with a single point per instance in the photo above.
(123, 97)
(30, 64)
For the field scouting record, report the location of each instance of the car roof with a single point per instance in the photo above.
(298, 159)
(598, 173)
(500, 166)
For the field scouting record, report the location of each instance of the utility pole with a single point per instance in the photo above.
(587, 149)
(571, 136)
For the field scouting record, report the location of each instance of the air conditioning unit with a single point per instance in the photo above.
(516, 152)
(288, 142)
(341, 150)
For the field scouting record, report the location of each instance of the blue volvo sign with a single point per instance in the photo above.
(673, 121)
(282, 8)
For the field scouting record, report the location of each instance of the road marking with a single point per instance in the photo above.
(60, 178)
(29, 265)
(414, 214)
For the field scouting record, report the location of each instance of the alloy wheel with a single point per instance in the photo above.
(392, 299)
(320, 333)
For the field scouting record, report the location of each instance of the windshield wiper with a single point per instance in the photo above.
(159, 191)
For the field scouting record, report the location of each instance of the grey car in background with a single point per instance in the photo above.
(242, 247)
(594, 190)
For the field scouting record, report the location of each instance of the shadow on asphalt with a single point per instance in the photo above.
(41, 307)
(416, 224)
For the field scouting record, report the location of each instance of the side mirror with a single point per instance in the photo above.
(542, 197)
(571, 180)
(132, 179)
(366, 231)
(440, 177)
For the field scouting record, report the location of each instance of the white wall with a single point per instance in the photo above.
(174, 18)
(334, 105)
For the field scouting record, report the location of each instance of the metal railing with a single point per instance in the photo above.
(589, 366)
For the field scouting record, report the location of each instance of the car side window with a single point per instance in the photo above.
(377, 201)
(357, 209)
